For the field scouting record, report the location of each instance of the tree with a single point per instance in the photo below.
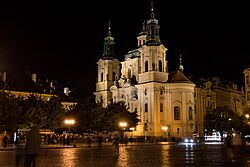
(48, 114)
(117, 112)
(223, 119)
(93, 117)
(88, 115)
(10, 111)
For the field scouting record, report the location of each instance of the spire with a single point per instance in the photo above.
(108, 50)
(152, 15)
(143, 32)
(152, 27)
(109, 29)
(181, 68)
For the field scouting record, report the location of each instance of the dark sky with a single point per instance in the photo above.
(62, 40)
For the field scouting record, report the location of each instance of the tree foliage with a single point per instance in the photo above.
(19, 112)
(93, 117)
(223, 119)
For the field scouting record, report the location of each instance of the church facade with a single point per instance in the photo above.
(164, 100)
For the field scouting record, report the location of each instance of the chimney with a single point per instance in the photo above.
(33, 77)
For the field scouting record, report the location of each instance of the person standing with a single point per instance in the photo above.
(5, 141)
(115, 143)
(236, 144)
(89, 141)
(32, 147)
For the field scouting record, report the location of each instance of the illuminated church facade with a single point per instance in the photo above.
(164, 100)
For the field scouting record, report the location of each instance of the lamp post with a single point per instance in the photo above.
(69, 122)
(247, 117)
(122, 125)
(165, 129)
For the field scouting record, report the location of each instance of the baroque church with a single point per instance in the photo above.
(164, 100)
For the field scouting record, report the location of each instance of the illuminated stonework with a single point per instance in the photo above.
(143, 82)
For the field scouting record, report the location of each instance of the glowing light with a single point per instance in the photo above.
(69, 121)
(123, 124)
(165, 128)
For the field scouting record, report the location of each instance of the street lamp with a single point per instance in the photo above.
(69, 122)
(247, 116)
(165, 129)
(122, 125)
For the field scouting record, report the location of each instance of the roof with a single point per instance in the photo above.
(178, 77)
(23, 83)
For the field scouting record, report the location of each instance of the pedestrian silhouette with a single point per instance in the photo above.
(89, 141)
(32, 147)
(115, 143)
(5, 141)
(236, 144)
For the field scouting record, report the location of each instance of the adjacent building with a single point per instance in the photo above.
(214, 92)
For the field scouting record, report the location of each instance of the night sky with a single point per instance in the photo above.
(62, 40)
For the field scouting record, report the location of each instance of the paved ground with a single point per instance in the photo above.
(135, 155)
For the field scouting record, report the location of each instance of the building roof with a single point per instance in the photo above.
(178, 77)
(23, 83)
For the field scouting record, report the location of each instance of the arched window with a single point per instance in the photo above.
(101, 76)
(146, 66)
(146, 107)
(177, 115)
(160, 66)
(101, 99)
(113, 77)
(161, 107)
(190, 113)
(129, 73)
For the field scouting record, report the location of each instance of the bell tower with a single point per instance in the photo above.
(108, 70)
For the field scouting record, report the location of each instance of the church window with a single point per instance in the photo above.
(129, 73)
(161, 107)
(146, 66)
(160, 66)
(113, 77)
(177, 115)
(247, 79)
(190, 113)
(146, 107)
(102, 77)
(101, 99)
(145, 92)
